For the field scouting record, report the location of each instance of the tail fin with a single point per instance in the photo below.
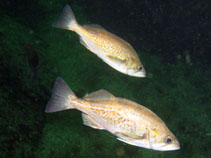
(60, 97)
(67, 19)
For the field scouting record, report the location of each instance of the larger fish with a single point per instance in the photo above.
(130, 122)
(111, 49)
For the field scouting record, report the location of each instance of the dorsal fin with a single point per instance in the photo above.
(94, 26)
(99, 95)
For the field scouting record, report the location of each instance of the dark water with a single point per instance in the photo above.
(173, 41)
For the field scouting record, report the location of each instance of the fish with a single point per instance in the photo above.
(113, 50)
(130, 122)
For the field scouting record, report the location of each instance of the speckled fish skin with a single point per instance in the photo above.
(130, 122)
(113, 50)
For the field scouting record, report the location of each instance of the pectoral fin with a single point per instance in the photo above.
(116, 60)
(130, 138)
(88, 121)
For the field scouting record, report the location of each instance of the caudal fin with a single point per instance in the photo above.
(60, 98)
(66, 20)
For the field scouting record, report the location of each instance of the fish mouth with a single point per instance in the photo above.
(169, 147)
(137, 74)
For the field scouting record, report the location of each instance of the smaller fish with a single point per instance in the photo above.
(132, 123)
(113, 50)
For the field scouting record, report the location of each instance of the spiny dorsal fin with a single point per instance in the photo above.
(99, 95)
(88, 121)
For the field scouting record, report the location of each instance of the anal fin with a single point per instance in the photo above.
(88, 121)
(83, 43)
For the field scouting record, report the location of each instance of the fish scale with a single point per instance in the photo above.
(116, 117)
(103, 41)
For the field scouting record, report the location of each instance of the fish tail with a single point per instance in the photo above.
(66, 20)
(61, 97)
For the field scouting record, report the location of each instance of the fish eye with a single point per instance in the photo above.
(140, 68)
(168, 140)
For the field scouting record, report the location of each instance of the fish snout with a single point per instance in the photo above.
(166, 147)
(137, 73)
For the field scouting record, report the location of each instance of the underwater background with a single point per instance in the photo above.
(173, 40)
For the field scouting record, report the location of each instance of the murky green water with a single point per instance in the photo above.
(172, 40)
